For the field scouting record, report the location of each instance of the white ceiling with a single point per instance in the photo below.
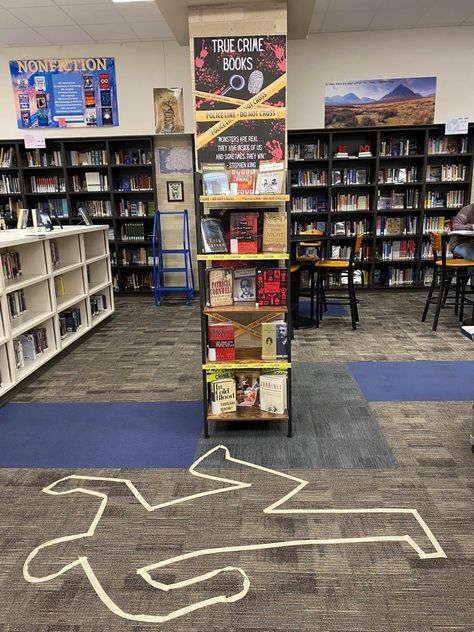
(364, 15)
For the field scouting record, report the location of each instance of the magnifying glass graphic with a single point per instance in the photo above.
(237, 82)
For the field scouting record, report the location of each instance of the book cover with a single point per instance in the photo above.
(281, 339)
(271, 286)
(244, 285)
(273, 393)
(247, 387)
(214, 179)
(269, 347)
(93, 181)
(220, 287)
(274, 232)
(243, 233)
(245, 179)
(269, 182)
(468, 331)
(212, 232)
(223, 397)
(221, 342)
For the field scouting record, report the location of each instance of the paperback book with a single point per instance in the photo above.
(219, 283)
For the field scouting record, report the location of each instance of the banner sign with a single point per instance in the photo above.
(240, 99)
(78, 92)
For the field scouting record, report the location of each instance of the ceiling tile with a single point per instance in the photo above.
(152, 30)
(74, 2)
(140, 11)
(393, 18)
(64, 34)
(318, 15)
(111, 32)
(346, 20)
(94, 14)
(356, 5)
(12, 4)
(21, 36)
(43, 16)
(9, 21)
(446, 13)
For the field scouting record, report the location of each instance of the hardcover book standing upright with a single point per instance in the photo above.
(220, 287)
(271, 286)
(243, 233)
(221, 342)
(213, 235)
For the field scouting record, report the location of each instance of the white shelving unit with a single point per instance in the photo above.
(84, 265)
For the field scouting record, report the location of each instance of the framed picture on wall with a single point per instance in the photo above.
(175, 189)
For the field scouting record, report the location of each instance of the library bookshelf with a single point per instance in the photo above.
(122, 195)
(416, 178)
(61, 271)
(246, 357)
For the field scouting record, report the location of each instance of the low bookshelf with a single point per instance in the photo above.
(393, 184)
(54, 288)
(112, 178)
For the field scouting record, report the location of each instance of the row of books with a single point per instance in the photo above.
(135, 183)
(261, 287)
(221, 341)
(309, 177)
(7, 157)
(132, 157)
(16, 304)
(387, 225)
(398, 175)
(299, 227)
(9, 184)
(98, 303)
(446, 173)
(447, 145)
(127, 208)
(246, 389)
(351, 227)
(29, 346)
(134, 256)
(56, 207)
(309, 204)
(138, 281)
(437, 223)
(426, 251)
(10, 207)
(132, 231)
(409, 198)
(350, 176)
(342, 252)
(395, 276)
(37, 158)
(88, 158)
(268, 180)
(69, 321)
(11, 265)
(90, 181)
(47, 184)
(308, 151)
(96, 208)
(350, 202)
(243, 234)
(398, 147)
(445, 199)
(396, 249)
(341, 279)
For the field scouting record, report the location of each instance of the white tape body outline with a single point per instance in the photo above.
(144, 572)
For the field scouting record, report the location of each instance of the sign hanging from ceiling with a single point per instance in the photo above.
(77, 92)
(240, 99)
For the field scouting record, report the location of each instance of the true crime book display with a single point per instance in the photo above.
(244, 275)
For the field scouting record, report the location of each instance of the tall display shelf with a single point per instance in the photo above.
(246, 357)
(64, 270)
(124, 197)
(428, 201)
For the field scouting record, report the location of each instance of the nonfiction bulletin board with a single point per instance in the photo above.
(79, 92)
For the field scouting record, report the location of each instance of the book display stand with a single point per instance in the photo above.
(246, 318)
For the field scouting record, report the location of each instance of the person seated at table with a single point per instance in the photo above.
(462, 246)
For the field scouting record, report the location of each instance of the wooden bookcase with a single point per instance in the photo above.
(109, 154)
(81, 262)
(378, 272)
(246, 357)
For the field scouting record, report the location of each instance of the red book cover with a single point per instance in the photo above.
(271, 286)
(243, 233)
(221, 343)
(245, 179)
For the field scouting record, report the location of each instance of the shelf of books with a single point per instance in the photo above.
(112, 180)
(392, 184)
(243, 262)
(52, 292)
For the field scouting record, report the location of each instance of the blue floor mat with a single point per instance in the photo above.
(333, 310)
(415, 381)
(128, 434)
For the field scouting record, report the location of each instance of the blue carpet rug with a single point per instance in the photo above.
(150, 434)
(333, 310)
(415, 381)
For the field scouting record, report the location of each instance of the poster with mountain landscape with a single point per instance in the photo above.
(377, 102)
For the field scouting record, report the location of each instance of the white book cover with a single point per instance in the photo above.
(273, 393)
(93, 180)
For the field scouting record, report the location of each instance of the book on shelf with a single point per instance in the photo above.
(244, 232)
(221, 342)
(95, 208)
(7, 157)
(350, 176)
(308, 151)
(396, 147)
(47, 184)
(245, 180)
(132, 157)
(273, 393)
(132, 231)
(212, 232)
(18, 352)
(274, 232)
(351, 202)
(365, 151)
(244, 284)
(59, 286)
(54, 250)
(16, 304)
(31, 344)
(247, 382)
(22, 218)
(39, 158)
(134, 208)
(274, 340)
(271, 287)
(93, 157)
(69, 321)
(444, 199)
(95, 181)
(220, 286)
(98, 303)
(223, 396)
(309, 177)
(447, 145)
(41, 219)
(9, 184)
(11, 265)
(215, 179)
(270, 178)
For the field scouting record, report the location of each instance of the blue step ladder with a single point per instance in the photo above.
(159, 252)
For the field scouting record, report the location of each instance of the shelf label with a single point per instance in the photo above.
(456, 125)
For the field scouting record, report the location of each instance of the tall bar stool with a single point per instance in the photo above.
(335, 265)
(305, 263)
(445, 271)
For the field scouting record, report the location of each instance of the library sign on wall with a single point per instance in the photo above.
(77, 92)
(240, 99)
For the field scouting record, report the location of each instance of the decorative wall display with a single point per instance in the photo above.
(175, 189)
(174, 160)
(169, 110)
(240, 99)
(378, 102)
(77, 92)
